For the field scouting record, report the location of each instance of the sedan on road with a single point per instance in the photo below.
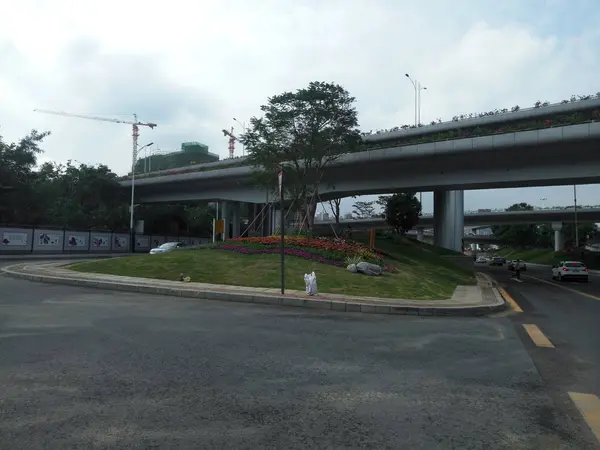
(167, 247)
(497, 261)
(570, 270)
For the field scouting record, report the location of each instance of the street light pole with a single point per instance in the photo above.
(414, 83)
(243, 124)
(132, 205)
(418, 89)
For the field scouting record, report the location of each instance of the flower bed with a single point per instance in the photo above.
(323, 250)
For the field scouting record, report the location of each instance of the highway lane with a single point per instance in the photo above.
(85, 368)
(568, 314)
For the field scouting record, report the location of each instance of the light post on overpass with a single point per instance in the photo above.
(132, 205)
(418, 88)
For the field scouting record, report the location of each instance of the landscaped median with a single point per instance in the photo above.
(413, 279)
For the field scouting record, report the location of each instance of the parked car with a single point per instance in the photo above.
(511, 265)
(167, 247)
(497, 261)
(570, 270)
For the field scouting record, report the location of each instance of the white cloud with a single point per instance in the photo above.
(193, 66)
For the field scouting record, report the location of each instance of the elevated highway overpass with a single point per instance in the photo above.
(548, 154)
(547, 216)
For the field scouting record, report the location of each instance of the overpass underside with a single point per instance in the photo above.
(447, 174)
(527, 166)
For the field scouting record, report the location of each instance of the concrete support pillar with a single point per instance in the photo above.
(449, 219)
(235, 220)
(253, 220)
(559, 242)
(224, 215)
(420, 234)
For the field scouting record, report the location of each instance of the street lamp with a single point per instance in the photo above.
(418, 88)
(543, 200)
(132, 205)
(243, 125)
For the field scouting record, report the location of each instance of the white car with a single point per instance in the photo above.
(167, 247)
(570, 270)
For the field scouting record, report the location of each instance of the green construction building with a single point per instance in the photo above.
(191, 153)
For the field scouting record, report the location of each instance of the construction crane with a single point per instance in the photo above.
(232, 139)
(135, 124)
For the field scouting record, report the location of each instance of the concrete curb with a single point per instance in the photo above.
(264, 299)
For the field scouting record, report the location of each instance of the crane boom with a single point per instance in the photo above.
(104, 119)
(232, 139)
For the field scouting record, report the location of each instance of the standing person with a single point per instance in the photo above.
(518, 267)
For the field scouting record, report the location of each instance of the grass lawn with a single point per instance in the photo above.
(421, 275)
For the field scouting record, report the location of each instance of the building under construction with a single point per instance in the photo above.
(191, 153)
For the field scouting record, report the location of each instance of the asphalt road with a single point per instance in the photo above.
(83, 368)
(568, 314)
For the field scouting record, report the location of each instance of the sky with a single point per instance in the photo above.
(192, 66)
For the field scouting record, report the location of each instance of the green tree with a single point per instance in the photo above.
(80, 196)
(402, 211)
(363, 210)
(334, 206)
(17, 163)
(518, 235)
(303, 132)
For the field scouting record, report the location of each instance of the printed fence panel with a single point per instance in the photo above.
(100, 241)
(143, 243)
(46, 241)
(120, 243)
(16, 240)
(76, 241)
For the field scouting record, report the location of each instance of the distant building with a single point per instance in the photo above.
(191, 153)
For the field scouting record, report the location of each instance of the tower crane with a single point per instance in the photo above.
(232, 139)
(135, 124)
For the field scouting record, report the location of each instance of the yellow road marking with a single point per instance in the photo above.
(585, 294)
(511, 301)
(589, 407)
(536, 335)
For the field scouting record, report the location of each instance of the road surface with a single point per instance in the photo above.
(84, 368)
(568, 315)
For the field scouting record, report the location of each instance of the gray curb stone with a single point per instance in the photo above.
(339, 306)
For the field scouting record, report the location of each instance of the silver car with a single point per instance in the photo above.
(167, 247)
